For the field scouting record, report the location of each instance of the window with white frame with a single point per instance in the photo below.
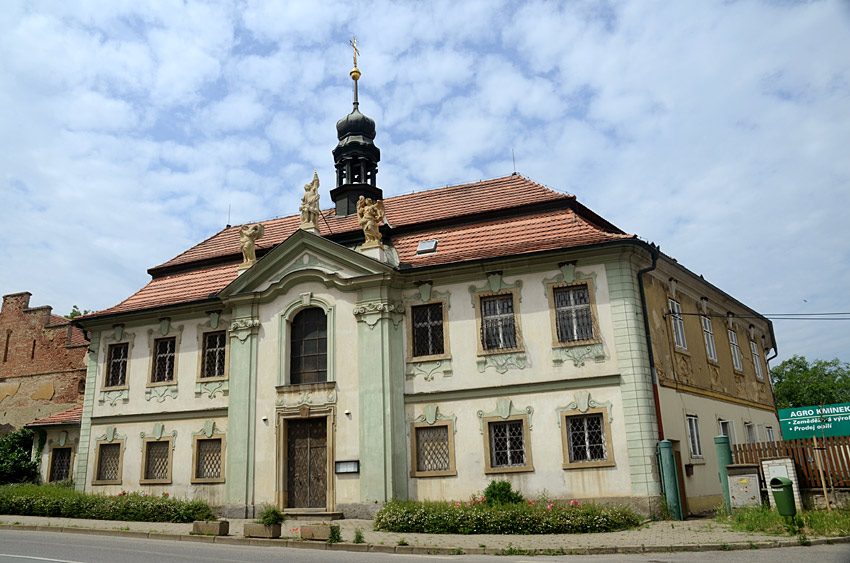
(736, 351)
(708, 334)
(678, 325)
(727, 429)
(770, 436)
(573, 313)
(498, 325)
(756, 359)
(752, 433)
(693, 436)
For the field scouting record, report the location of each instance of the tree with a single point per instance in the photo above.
(798, 383)
(75, 312)
(15, 463)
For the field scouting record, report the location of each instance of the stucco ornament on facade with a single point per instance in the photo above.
(211, 388)
(248, 236)
(504, 410)
(110, 435)
(568, 275)
(582, 401)
(161, 392)
(208, 430)
(428, 369)
(112, 397)
(157, 433)
(373, 311)
(431, 414)
(578, 354)
(503, 362)
(495, 284)
(306, 398)
(242, 328)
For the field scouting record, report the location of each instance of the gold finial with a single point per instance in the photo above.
(355, 72)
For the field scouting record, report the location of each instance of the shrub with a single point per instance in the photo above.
(500, 492)
(45, 500)
(333, 535)
(271, 516)
(358, 535)
(518, 518)
(15, 463)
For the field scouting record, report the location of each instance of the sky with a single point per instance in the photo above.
(132, 130)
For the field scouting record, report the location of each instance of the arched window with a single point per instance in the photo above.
(308, 356)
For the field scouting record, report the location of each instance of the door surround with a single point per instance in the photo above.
(282, 416)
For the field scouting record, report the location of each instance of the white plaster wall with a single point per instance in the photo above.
(536, 327)
(674, 407)
(181, 472)
(52, 438)
(546, 448)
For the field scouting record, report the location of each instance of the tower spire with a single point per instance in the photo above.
(355, 72)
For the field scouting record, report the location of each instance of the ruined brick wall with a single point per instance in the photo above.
(42, 362)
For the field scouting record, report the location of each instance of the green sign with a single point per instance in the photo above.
(820, 422)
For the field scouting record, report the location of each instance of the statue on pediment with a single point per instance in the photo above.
(369, 215)
(310, 204)
(248, 236)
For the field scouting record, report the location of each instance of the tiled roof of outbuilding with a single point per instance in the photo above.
(70, 416)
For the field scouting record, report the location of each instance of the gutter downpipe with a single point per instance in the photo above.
(654, 252)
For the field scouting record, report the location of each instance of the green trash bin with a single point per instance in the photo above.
(783, 494)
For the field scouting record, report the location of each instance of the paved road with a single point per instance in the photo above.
(49, 547)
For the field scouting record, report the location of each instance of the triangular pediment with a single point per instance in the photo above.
(304, 255)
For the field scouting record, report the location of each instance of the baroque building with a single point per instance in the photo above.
(419, 346)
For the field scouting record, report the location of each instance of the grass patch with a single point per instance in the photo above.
(47, 500)
(482, 518)
(768, 521)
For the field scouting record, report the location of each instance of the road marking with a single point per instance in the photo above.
(38, 558)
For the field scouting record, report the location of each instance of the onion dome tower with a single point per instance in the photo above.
(355, 157)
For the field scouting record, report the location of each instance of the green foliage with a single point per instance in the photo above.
(520, 518)
(15, 453)
(358, 535)
(75, 312)
(813, 522)
(500, 492)
(798, 383)
(333, 534)
(48, 500)
(271, 516)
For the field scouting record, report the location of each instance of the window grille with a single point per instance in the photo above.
(736, 351)
(693, 436)
(756, 359)
(498, 329)
(309, 347)
(507, 443)
(163, 365)
(678, 325)
(587, 438)
(117, 363)
(108, 462)
(60, 467)
(708, 333)
(432, 448)
(209, 459)
(427, 330)
(214, 354)
(573, 314)
(156, 460)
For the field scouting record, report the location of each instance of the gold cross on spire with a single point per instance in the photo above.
(353, 43)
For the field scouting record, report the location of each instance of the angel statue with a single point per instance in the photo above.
(310, 204)
(369, 215)
(248, 234)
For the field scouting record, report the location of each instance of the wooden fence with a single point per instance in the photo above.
(835, 458)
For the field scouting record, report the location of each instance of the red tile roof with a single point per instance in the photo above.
(70, 416)
(464, 219)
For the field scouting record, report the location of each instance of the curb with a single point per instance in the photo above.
(425, 550)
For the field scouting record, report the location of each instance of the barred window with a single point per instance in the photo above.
(586, 436)
(678, 324)
(427, 330)
(736, 351)
(60, 464)
(498, 328)
(708, 334)
(432, 448)
(208, 458)
(507, 444)
(309, 347)
(214, 354)
(109, 462)
(163, 364)
(573, 317)
(157, 460)
(116, 365)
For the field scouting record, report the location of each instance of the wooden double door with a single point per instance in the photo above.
(307, 463)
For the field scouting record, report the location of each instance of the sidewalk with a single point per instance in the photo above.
(691, 535)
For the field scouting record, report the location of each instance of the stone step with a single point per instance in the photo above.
(311, 515)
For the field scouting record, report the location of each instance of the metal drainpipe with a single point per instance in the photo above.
(654, 252)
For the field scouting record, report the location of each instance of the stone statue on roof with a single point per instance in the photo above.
(310, 205)
(369, 215)
(248, 235)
